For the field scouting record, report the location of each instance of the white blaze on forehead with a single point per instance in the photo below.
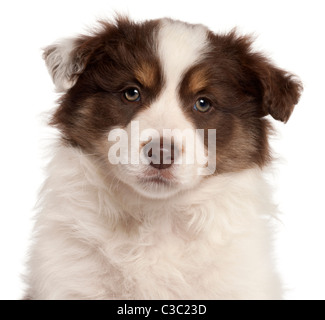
(180, 45)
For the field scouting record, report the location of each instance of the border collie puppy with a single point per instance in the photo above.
(127, 211)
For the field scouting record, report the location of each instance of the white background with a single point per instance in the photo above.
(290, 32)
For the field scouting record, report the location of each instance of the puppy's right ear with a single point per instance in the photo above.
(65, 61)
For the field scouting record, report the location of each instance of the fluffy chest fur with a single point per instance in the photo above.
(155, 188)
(209, 243)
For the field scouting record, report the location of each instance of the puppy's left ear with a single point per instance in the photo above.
(276, 90)
(281, 91)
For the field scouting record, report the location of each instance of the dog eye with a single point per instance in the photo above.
(202, 105)
(132, 94)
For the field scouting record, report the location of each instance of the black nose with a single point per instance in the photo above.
(161, 154)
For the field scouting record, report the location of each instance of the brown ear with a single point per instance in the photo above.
(281, 91)
(276, 90)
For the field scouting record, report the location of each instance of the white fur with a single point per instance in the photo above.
(97, 240)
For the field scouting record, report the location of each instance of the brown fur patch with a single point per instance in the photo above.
(242, 87)
(146, 74)
(198, 80)
(120, 56)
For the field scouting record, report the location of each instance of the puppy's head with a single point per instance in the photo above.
(163, 103)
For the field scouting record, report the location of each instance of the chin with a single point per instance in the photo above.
(155, 188)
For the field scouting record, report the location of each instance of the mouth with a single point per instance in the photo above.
(156, 180)
(158, 177)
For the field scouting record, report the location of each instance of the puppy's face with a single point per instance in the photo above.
(172, 102)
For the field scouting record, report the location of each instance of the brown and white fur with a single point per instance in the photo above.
(134, 231)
